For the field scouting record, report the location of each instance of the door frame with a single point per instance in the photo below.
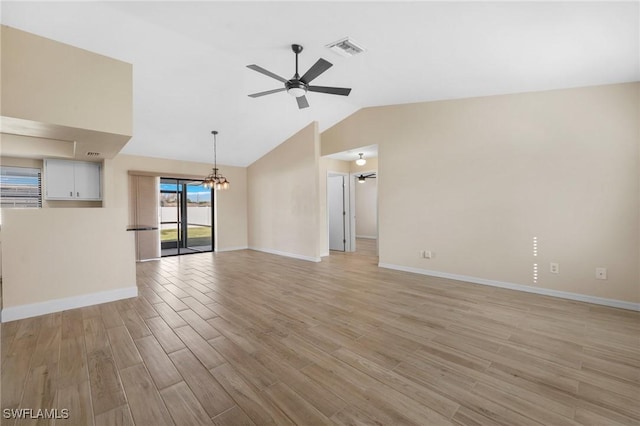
(349, 245)
(353, 184)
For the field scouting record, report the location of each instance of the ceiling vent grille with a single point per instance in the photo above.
(346, 47)
(93, 154)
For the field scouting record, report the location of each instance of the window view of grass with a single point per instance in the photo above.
(193, 232)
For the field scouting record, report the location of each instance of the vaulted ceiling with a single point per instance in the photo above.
(190, 75)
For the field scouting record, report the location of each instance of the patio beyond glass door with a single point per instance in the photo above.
(186, 217)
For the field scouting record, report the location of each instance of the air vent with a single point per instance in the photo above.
(346, 47)
(93, 154)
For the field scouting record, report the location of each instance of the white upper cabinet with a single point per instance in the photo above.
(87, 180)
(72, 180)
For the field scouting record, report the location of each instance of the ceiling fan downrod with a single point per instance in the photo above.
(296, 49)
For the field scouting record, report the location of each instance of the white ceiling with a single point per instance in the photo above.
(190, 75)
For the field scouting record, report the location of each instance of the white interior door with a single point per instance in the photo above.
(336, 207)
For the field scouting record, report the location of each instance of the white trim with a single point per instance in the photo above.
(282, 253)
(57, 305)
(367, 237)
(614, 303)
(231, 249)
(325, 254)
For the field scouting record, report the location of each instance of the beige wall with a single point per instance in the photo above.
(37, 73)
(231, 204)
(69, 95)
(30, 147)
(475, 180)
(366, 208)
(332, 165)
(79, 255)
(284, 197)
(51, 254)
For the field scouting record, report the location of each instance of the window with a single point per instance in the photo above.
(20, 187)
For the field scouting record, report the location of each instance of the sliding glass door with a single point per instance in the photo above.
(186, 217)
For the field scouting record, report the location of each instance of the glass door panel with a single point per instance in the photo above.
(170, 200)
(198, 218)
(186, 217)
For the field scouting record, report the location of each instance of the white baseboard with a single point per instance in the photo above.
(220, 250)
(325, 254)
(57, 305)
(519, 287)
(282, 253)
(367, 237)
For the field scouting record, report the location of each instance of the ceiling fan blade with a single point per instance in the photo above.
(330, 90)
(268, 92)
(318, 68)
(266, 72)
(302, 102)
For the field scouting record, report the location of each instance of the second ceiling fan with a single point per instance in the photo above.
(299, 86)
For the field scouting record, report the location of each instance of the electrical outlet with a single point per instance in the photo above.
(554, 268)
(420, 253)
(427, 254)
(601, 273)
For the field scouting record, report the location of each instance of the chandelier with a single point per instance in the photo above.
(215, 180)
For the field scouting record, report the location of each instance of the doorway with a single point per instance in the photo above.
(352, 200)
(186, 217)
(364, 207)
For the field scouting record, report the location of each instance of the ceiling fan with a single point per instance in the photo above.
(299, 86)
(362, 178)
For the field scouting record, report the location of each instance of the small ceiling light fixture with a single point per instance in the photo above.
(215, 180)
(361, 161)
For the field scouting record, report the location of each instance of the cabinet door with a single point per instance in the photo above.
(87, 181)
(59, 180)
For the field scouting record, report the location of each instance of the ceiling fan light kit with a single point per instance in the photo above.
(299, 86)
(361, 161)
(296, 88)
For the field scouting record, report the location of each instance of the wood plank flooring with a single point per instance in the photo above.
(248, 338)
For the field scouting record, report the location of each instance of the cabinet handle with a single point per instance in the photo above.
(77, 194)
(70, 193)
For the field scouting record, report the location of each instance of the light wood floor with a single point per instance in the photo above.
(251, 338)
